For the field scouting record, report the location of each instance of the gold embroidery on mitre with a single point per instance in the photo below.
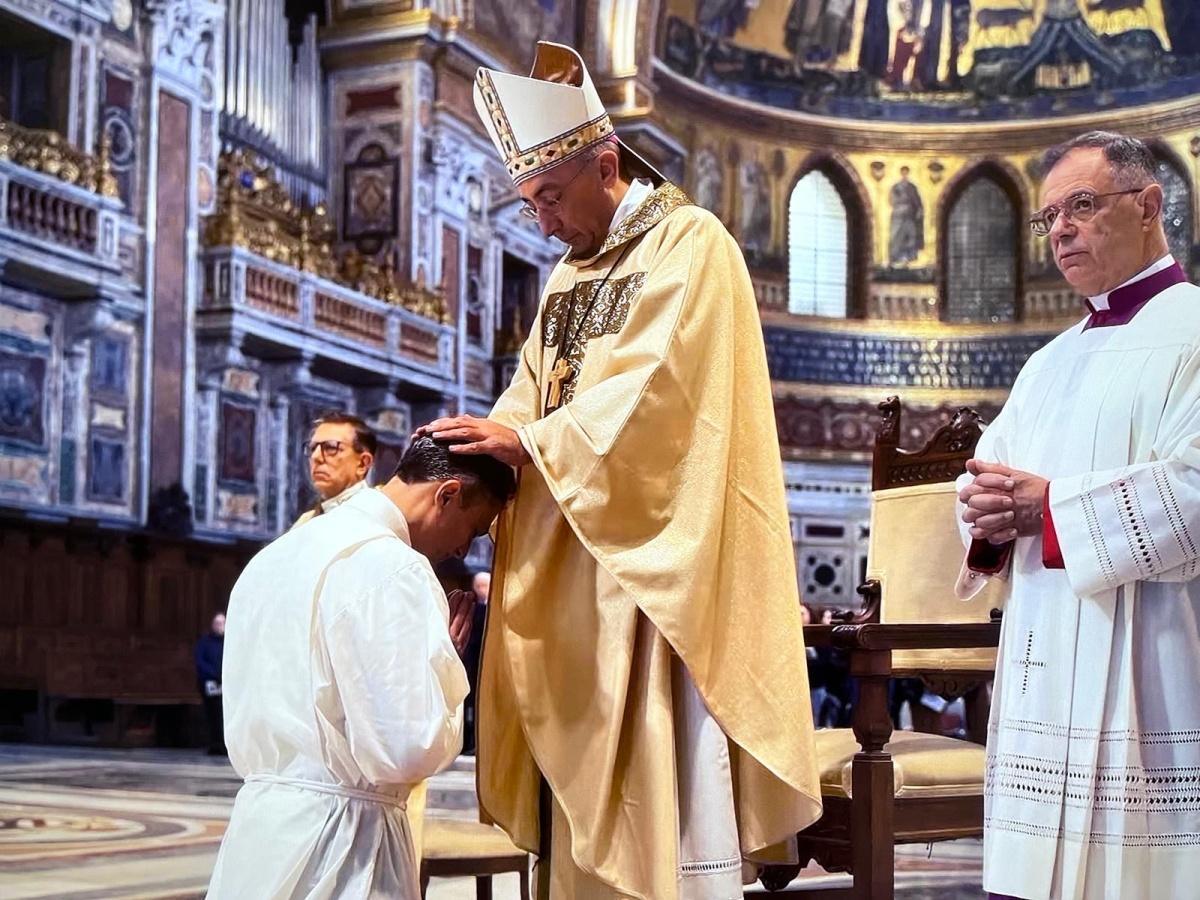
(607, 315)
(525, 163)
(558, 149)
(491, 100)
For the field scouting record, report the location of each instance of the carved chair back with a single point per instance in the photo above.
(916, 550)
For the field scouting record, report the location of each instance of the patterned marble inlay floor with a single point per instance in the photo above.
(84, 824)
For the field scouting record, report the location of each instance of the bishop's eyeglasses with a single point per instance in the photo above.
(533, 211)
(1076, 208)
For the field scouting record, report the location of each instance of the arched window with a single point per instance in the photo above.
(982, 243)
(818, 248)
(1177, 210)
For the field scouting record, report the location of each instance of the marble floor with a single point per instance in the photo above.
(84, 823)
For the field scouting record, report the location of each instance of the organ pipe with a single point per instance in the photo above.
(273, 98)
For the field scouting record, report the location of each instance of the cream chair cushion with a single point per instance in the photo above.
(915, 552)
(924, 765)
(461, 839)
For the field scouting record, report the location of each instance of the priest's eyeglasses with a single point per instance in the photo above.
(327, 449)
(1077, 208)
(532, 211)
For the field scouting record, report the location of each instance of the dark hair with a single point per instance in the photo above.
(364, 435)
(1131, 160)
(624, 170)
(430, 460)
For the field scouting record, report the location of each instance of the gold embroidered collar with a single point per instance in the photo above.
(662, 201)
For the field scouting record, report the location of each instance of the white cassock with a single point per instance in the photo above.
(324, 506)
(1093, 778)
(342, 691)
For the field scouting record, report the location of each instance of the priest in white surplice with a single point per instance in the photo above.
(1086, 493)
(342, 686)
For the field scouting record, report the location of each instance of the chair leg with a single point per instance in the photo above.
(978, 704)
(424, 884)
(872, 829)
(873, 842)
(483, 887)
(524, 875)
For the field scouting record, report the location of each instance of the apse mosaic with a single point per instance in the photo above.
(938, 60)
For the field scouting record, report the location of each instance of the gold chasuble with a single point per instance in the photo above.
(656, 494)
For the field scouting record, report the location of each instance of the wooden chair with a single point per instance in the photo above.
(454, 847)
(879, 788)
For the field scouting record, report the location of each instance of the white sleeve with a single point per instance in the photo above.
(1138, 522)
(396, 672)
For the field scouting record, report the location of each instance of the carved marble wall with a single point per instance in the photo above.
(68, 406)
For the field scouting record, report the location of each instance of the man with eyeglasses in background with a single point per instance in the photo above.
(1085, 494)
(340, 453)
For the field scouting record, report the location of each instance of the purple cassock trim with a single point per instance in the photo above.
(1124, 302)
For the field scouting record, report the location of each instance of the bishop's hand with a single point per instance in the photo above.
(1002, 503)
(478, 436)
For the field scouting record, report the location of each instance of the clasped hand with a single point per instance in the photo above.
(1002, 503)
(462, 617)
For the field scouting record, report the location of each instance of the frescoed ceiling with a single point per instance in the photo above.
(937, 60)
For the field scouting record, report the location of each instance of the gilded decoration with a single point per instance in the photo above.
(51, 154)
(601, 314)
(663, 201)
(255, 212)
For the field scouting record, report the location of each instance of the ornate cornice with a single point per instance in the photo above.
(786, 126)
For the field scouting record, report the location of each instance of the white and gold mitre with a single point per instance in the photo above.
(546, 119)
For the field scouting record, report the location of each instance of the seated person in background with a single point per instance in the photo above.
(340, 452)
(342, 687)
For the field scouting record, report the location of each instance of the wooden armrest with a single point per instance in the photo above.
(915, 637)
(818, 635)
(873, 636)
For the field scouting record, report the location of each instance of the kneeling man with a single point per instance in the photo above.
(342, 686)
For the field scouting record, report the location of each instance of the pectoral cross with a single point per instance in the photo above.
(559, 376)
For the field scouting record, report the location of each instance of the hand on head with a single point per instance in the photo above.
(1002, 503)
(475, 436)
(448, 499)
